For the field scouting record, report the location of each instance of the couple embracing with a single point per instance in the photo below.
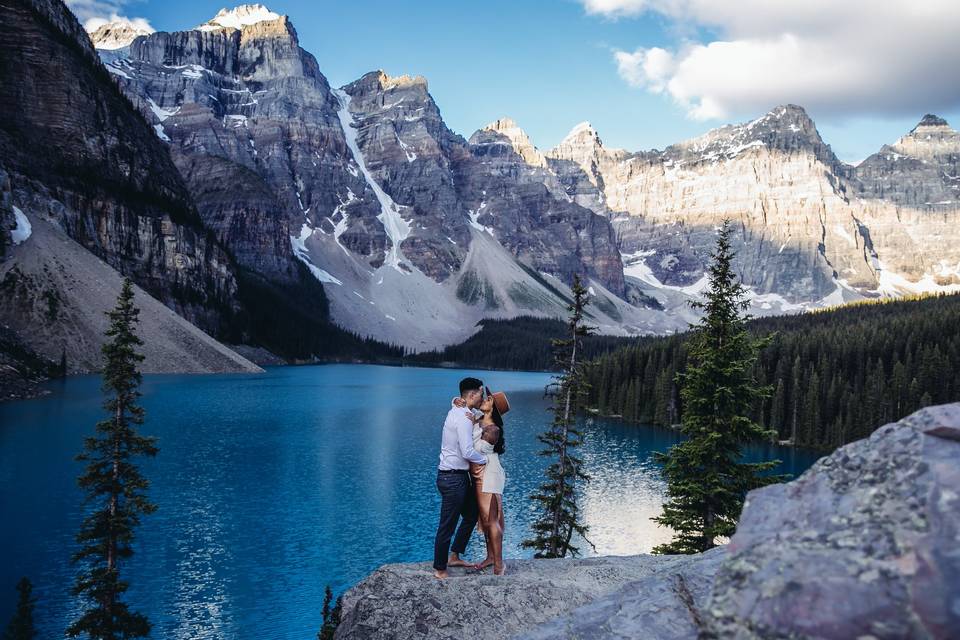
(470, 478)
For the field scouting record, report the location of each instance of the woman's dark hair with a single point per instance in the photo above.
(501, 445)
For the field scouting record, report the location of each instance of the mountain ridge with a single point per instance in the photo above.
(813, 231)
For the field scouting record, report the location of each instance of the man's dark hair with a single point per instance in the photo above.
(470, 384)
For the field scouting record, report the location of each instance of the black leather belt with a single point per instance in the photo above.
(451, 470)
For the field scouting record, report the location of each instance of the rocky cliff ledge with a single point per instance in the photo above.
(865, 544)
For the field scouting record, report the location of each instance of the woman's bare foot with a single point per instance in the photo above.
(455, 561)
(440, 574)
(480, 566)
(499, 570)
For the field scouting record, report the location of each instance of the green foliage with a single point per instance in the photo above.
(114, 485)
(556, 498)
(21, 625)
(836, 374)
(522, 344)
(706, 480)
(331, 615)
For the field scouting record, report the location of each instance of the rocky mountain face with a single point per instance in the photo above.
(862, 545)
(414, 232)
(89, 161)
(812, 229)
(88, 194)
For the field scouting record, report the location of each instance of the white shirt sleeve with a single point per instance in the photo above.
(465, 440)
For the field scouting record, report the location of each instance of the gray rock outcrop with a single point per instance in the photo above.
(863, 545)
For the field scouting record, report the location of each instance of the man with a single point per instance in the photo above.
(458, 499)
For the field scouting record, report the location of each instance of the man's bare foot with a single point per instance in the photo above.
(440, 574)
(455, 561)
(499, 570)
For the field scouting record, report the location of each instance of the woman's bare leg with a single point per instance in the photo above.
(484, 502)
(496, 534)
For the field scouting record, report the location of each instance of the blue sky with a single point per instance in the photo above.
(643, 77)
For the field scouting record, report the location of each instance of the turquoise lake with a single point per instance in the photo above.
(272, 486)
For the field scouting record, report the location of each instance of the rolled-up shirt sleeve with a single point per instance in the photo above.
(465, 440)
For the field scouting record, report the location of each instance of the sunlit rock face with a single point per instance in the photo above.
(810, 227)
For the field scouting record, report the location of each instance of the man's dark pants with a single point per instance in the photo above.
(458, 502)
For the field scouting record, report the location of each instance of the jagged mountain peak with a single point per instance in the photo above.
(241, 16)
(583, 138)
(506, 131)
(931, 120)
(786, 128)
(379, 81)
(583, 129)
(932, 138)
(118, 33)
(508, 127)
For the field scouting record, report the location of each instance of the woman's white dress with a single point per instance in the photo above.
(494, 476)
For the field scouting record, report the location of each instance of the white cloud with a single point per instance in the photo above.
(896, 57)
(615, 8)
(95, 13)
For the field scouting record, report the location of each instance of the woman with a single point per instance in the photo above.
(489, 479)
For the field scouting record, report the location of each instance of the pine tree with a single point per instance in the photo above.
(706, 481)
(560, 515)
(114, 485)
(331, 615)
(21, 625)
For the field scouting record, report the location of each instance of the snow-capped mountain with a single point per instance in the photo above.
(117, 35)
(416, 233)
(239, 17)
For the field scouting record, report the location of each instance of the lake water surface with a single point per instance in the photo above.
(272, 486)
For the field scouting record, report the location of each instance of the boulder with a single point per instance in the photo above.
(865, 544)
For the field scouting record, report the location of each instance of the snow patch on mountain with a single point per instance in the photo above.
(299, 245)
(635, 265)
(239, 17)
(895, 285)
(23, 229)
(393, 223)
(161, 113)
(411, 156)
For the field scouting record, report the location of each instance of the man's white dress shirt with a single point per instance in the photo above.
(456, 445)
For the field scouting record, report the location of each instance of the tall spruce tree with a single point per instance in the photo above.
(559, 513)
(21, 625)
(706, 480)
(114, 485)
